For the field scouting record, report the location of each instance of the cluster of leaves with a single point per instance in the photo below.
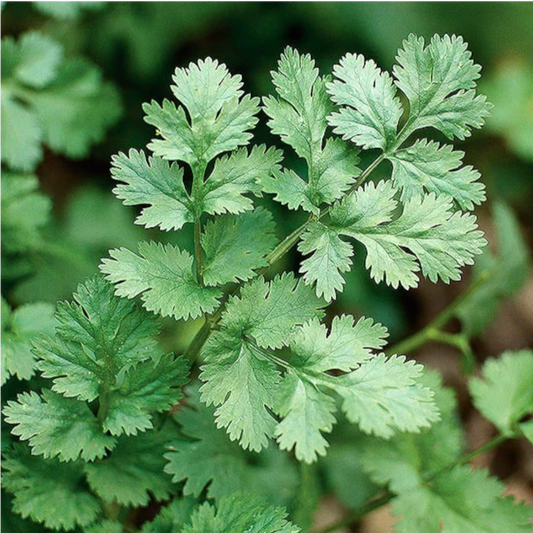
(111, 429)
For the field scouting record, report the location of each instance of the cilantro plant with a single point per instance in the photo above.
(235, 434)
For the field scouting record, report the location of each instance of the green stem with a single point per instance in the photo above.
(433, 330)
(376, 503)
(197, 193)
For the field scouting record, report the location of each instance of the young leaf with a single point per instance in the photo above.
(164, 277)
(299, 118)
(371, 109)
(242, 513)
(103, 349)
(38, 486)
(56, 426)
(446, 72)
(235, 246)
(504, 393)
(217, 120)
(155, 183)
(428, 167)
(134, 469)
(427, 231)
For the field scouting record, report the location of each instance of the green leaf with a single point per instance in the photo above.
(383, 396)
(49, 492)
(133, 471)
(299, 118)
(21, 136)
(446, 72)
(18, 330)
(506, 273)
(239, 512)
(235, 246)
(461, 501)
(236, 175)
(164, 276)
(217, 120)
(329, 257)
(504, 394)
(371, 110)
(407, 459)
(77, 108)
(56, 426)
(45, 98)
(103, 348)
(25, 211)
(68, 10)
(242, 384)
(171, 518)
(431, 495)
(155, 183)
(428, 167)
(205, 456)
(107, 526)
(269, 311)
(426, 236)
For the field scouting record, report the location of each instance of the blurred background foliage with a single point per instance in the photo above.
(59, 216)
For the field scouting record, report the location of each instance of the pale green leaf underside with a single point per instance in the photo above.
(164, 277)
(219, 118)
(428, 167)
(155, 183)
(371, 109)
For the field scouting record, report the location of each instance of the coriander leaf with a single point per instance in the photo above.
(269, 311)
(171, 518)
(67, 10)
(164, 277)
(236, 175)
(205, 456)
(428, 167)
(242, 384)
(77, 108)
(371, 109)
(155, 183)
(217, 120)
(21, 136)
(504, 394)
(33, 61)
(407, 459)
(439, 80)
(18, 329)
(239, 512)
(329, 257)
(506, 272)
(460, 501)
(106, 526)
(103, 349)
(56, 426)
(235, 246)
(39, 485)
(299, 118)
(383, 396)
(134, 469)
(25, 211)
(427, 231)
